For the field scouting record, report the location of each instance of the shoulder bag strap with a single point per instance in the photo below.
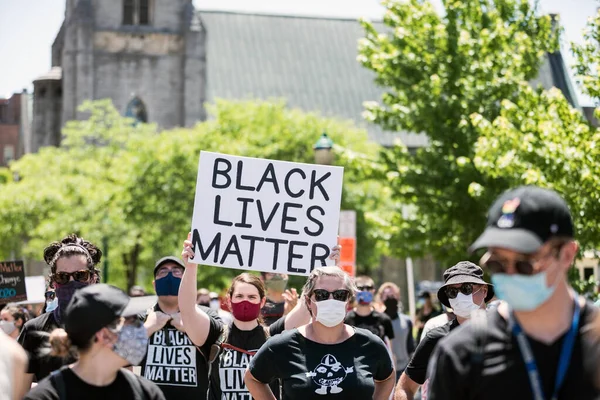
(134, 383)
(59, 383)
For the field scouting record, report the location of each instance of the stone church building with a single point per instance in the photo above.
(160, 60)
(148, 56)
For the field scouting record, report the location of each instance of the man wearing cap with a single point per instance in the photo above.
(102, 328)
(532, 345)
(465, 291)
(173, 362)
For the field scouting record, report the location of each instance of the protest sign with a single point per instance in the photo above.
(12, 282)
(265, 215)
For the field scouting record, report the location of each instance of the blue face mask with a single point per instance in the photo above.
(167, 286)
(364, 297)
(523, 292)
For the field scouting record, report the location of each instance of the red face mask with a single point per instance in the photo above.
(245, 311)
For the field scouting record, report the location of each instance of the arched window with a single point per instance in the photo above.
(136, 12)
(137, 110)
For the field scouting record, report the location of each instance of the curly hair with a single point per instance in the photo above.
(72, 245)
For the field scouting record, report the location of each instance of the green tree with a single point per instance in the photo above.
(134, 185)
(436, 71)
(540, 139)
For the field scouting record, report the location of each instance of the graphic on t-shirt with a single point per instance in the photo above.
(232, 367)
(171, 359)
(329, 374)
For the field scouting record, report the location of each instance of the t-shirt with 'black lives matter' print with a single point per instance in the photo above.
(175, 364)
(238, 349)
(311, 370)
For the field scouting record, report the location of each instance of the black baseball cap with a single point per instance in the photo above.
(167, 259)
(523, 219)
(463, 272)
(97, 306)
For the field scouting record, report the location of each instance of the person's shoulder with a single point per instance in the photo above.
(351, 314)
(40, 322)
(381, 316)
(365, 336)
(284, 338)
(463, 338)
(150, 388)
(44, 390)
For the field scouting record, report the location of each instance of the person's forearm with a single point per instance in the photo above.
(258, 390)
(406, 388)
(383, 389)
(197, 322)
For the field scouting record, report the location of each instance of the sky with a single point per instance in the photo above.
(28, 28)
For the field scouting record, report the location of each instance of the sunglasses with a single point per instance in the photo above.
(522, 267)
(80, 276)
(365, 288)
(50, 295)
(339, 295)
(176, 271)
(465, 288)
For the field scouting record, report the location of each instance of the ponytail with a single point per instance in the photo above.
(60, 344)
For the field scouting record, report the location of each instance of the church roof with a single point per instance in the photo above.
(311, 63)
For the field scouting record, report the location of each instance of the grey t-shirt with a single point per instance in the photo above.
(403, 344)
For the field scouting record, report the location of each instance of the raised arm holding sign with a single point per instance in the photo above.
(264, 215)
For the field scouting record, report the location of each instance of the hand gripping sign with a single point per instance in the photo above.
(264, 215)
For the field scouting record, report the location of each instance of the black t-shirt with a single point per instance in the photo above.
(238, 349)
(175, 364)
(417, 366)
(271, 311)
(311, 370)
(76, 388)
(377, 323)
(34, 339)
(503, 374)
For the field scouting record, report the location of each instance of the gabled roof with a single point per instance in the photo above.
(311, 62)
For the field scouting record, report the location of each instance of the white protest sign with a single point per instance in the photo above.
(265, 215)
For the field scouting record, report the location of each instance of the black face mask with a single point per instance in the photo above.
(205, 304)
(391, 306)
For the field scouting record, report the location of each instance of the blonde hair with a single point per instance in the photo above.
(336, 272)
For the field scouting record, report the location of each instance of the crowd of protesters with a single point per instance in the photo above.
(339, 337)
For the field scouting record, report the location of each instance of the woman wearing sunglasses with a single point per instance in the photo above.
(72, 264)
(103, 331)
(325, 357)
(465, 291)
(242, 338)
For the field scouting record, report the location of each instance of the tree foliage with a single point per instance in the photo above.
(438, 70)
(134, 186)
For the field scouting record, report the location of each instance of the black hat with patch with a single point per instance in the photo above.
(463, 272)
(523, 219)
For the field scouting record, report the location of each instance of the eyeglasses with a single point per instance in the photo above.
(176, 271)
(525, 266)
(340, 294)
(80, 276)
(365, 288)
(465, 288)
(50, 295)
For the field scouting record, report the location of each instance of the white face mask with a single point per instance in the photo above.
(51, 305)
(331, 312)
(463, 305)
(8, 326)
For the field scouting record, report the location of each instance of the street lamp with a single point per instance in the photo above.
(323, 150)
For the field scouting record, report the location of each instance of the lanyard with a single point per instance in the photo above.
(563, 363)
